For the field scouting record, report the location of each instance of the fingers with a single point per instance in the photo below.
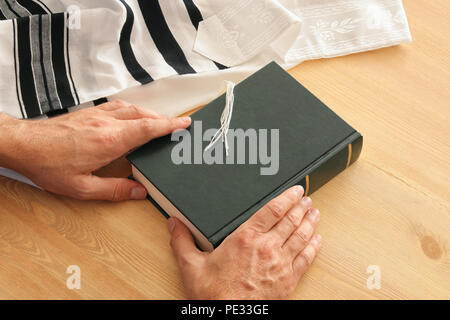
(139, 132)
(133, 112)
(140, 125)
(122, 110)
(182, 243)
(269, 215)
(292, 219)
(300, 238)
(112, 105)
(306, 257)
(112, 189)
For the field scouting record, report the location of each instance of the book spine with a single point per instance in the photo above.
(312, 178)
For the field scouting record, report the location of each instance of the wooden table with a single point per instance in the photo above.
(390, 209)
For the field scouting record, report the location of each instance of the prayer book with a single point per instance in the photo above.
(279, 135)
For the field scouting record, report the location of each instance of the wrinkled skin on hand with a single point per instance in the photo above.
(263, 259)
(60, 154)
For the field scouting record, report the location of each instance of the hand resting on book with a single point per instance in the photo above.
(60, 154)
(263, 259)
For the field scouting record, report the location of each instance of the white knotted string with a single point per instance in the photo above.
(225, 119)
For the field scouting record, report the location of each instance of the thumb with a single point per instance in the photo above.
(183, 243)
(112, 189)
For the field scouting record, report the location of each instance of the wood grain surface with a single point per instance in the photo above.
(390, 209)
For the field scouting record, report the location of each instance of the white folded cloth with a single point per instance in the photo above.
(328, 28)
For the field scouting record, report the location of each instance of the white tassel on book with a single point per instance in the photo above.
(225, 119)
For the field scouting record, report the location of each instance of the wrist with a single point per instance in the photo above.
(10, 129)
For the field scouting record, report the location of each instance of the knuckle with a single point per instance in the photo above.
(290, 285)
(173, 241)
(117, 193)
(259, 225)
(302, 236)
(184, 260)
(266, 251)
(275, 208)
(118, 102)
(290, 197)
(300, 264)
(98, 122)
(268, 282)
(147, 125)
(135, 109)
(276, 267)
(293, 218)
(108, 138)
(245, 237)
(308, 259)
(174, 123)
(82, 189)
(308, 255)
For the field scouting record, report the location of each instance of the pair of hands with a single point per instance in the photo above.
(263, 259)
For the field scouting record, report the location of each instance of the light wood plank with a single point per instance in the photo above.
(391, 208)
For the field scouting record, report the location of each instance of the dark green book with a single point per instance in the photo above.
(283, 136)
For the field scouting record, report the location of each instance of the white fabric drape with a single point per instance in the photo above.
(329, 28)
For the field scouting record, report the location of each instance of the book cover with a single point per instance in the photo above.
(281, 135)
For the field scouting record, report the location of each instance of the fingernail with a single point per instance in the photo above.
(315, 213)
(185, 120)
(298, 190)
(171, 224)
(306, 201)
(318, 239)
(138, 193)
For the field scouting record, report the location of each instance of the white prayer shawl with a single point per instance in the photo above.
(170, 55)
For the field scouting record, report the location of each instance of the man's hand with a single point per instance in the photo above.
(61, 153)
(263, 259)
